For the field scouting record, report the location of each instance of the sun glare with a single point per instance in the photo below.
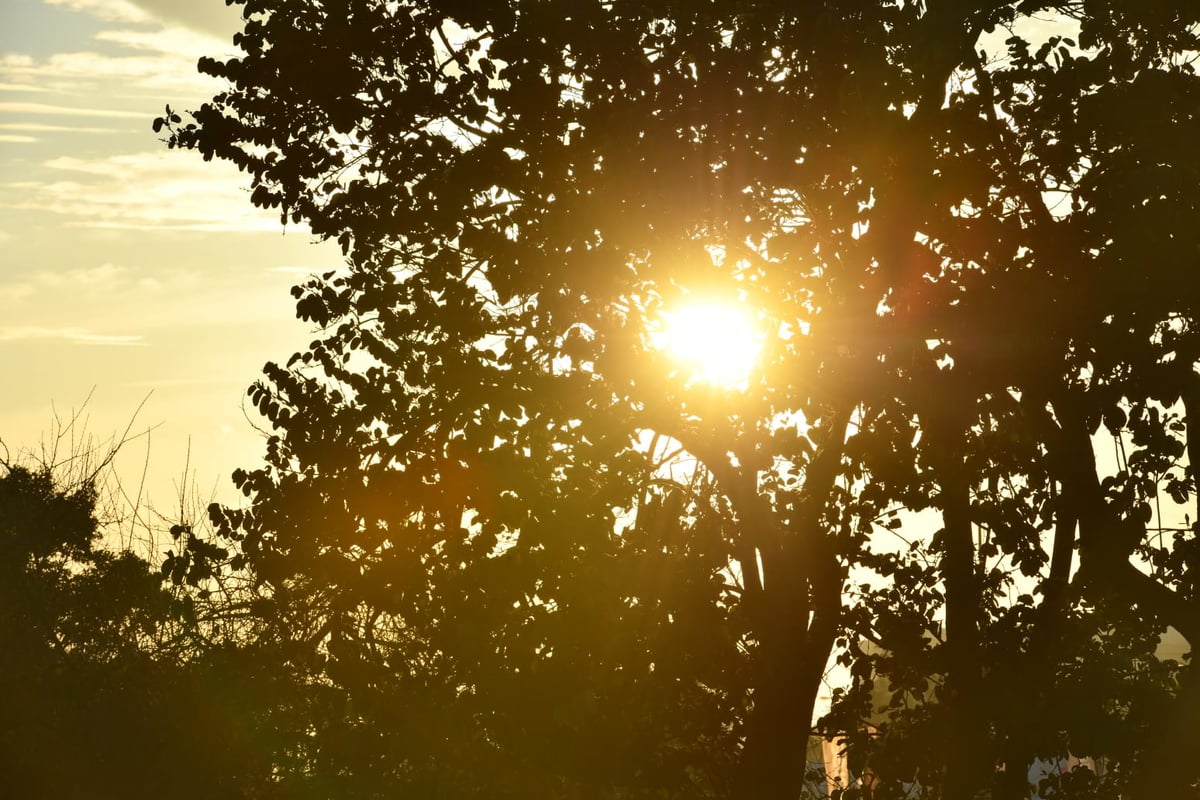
(717, 343)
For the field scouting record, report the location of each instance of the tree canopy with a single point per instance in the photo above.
(534, 555)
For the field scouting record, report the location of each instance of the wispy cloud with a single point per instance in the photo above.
(5, 86)
(181, 42)
(147, 70)
(144, 47)
(213, 18)
(67, 111)
(95, 285)
(150, 297)
(11, 138)
(104, 277)
(13, 293)
(158, 190)
(72, 335)
(37, 127)
(108, 10)
(219, 19)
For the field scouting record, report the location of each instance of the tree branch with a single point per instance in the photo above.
(1105, 545)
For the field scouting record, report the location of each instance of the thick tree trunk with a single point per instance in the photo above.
(797, 619)
(774, 752)
(789, 666)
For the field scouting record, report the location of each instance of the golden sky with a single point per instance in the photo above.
(126, 268)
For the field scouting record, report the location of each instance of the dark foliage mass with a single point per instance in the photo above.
(106, 688)
(504, 546)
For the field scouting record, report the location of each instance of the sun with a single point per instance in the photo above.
(716, 343)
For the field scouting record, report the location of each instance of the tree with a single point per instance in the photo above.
(961, 228)
(106, 678)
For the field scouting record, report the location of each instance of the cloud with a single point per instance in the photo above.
(214, 18)
(13, 293)
(19, 87)
(166, 67)
(156, 295)
(108, 10)
(186, 44)
(211, 17)
(10, 138)
(159, 190)
(92, 283)
(104, 277)
(37, 127)
(72, 335)
(67, 111)
(144, 50)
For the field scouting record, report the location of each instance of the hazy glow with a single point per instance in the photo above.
(716, 343)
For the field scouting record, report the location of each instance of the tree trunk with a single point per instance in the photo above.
(797, 620)
(967, 765)
(789, 668)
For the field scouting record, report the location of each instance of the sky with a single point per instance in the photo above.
(130, 273)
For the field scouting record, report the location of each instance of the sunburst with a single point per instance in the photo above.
(715, 343)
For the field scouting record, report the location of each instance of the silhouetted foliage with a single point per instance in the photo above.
(966, 234)
(106, 687)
